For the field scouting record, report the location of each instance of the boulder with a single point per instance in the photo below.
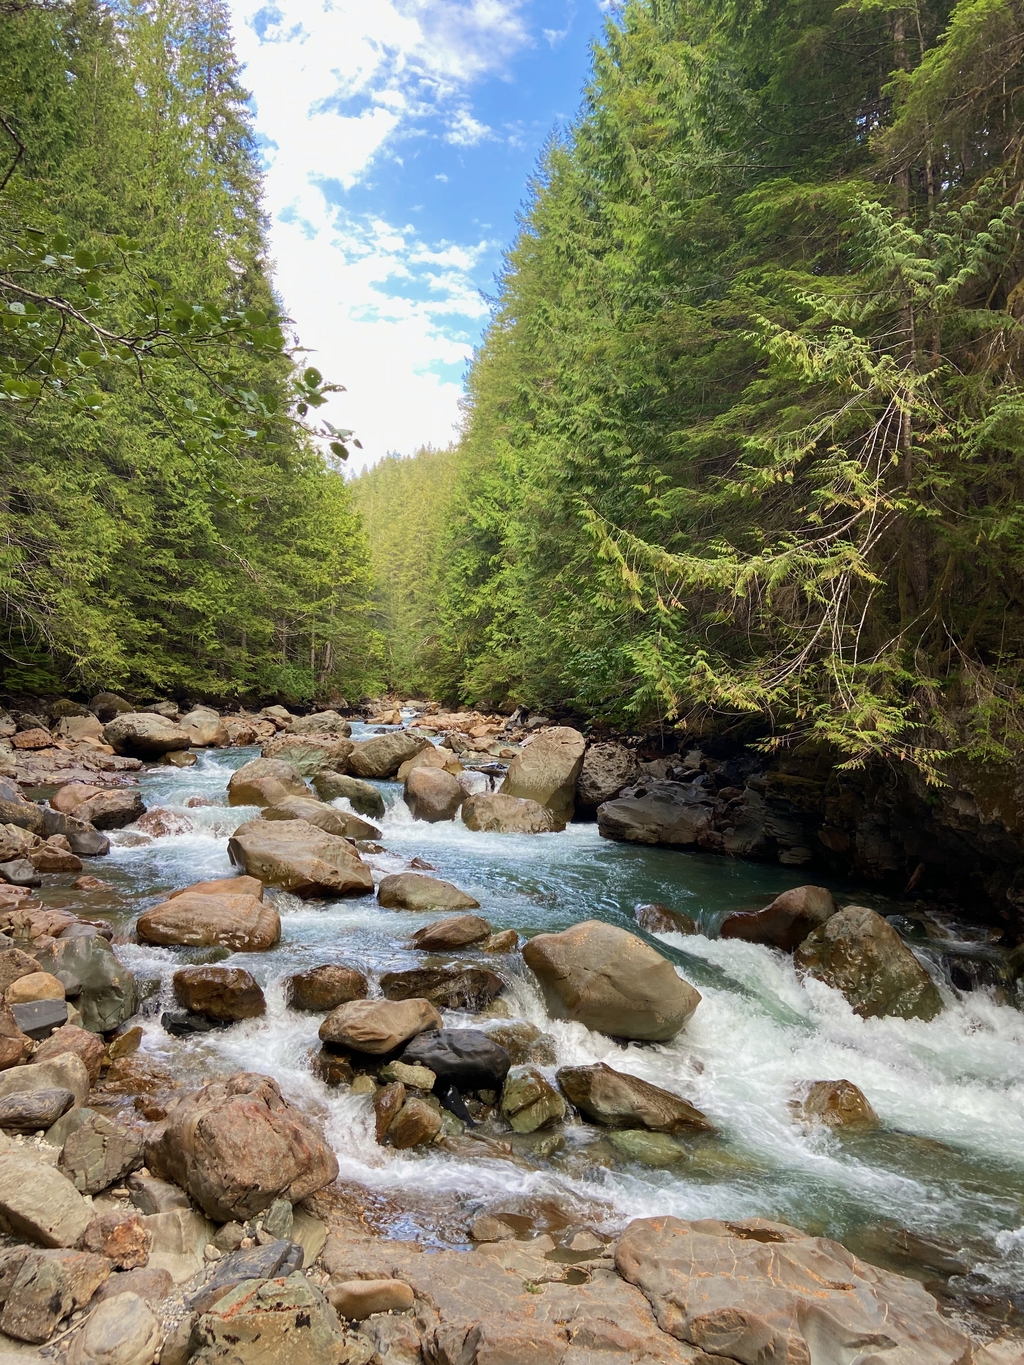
(100, 807)
(607, 769)
(529, 1101)
(275, 1258)
(859, 953)
(431, 757)
(309, 754)
(226, 993)
(761, 1294)
(150, 1195)
(39, 1203)
(547, 769)
(383, 755)
(610, 981)
(30, 1111)
(65, 1072)
(36, 738)
(325, 988)
(122, 1237)
(108, 996)
(241, 923)
(146, 1281)
(55, 855)
(386, 1105)
(328, 722)
(280, 715)
(15, 1046)
(678, 814)
(325, 817)
(786, 922)
(180, 1238)
(659, 919)
(523, 1042)
(14, 964)
(223, 886)
(272, 1322)
(299, 857)
(205, 729)
(499, 814)
(415, 1124)
(39, 1018)
(448, 935)
(360, 795)
(143, 734)
(378, 1026)
(122, 1330)
(618, 1100)
(356, 1300)
(45, 1287)
(76, 728)
(432, 794)
(84, 839)
(461, 1057)
(35, 986)
(449, 988)
(836, 1104)
(16, 809)
(414, 891)
(19, 872)
(86, 1045)
(163, 824)
(97, 1151)
(236, 1146)
(264, 782)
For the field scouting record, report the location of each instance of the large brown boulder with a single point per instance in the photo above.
(448, 935)
(432, 794)
(449, 988)
(498, 814)
(299, 857)
(383, 755)
(786, 922)
(361, 796)
(547, 769)
(264, 782)
(610, 981)
(325, 988)
(241, 923)
(236, 1146)
(309, 754)
(859, 953)
(101, 807)
(322, 815)
(321, 722)
(765, 1294)
(205, 729)
(225, 993)
(143, 734)
(414, 891)
(378, 1026)
(618, 1100)
(607, 769)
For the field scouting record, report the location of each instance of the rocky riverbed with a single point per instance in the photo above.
(338, 1039)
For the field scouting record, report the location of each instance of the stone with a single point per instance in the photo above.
(46, 1288)
(36, 738)
(164, 824)
(205, 729)
(84, 839)
(328, 722)
(464, 1058)
(309, 754)
(387, 1103)
(19, 872)
(415, 1077)
(333, 1068)
(356, 1300)
(645, 1147)
(300, 858)
(415, 1124)
(529, 1101)
(277, 1220)
(99, 1152)
(121, 1237)
(100, 807)
(223, 886)
(277, 1257)
(120, 1331)
(360, 795)
(610, 981)
(39, 1203)
(125, 1043)
(28, 1111)
(432, 794)
(786, 922)
(309, 1233)
(179, 758)
(106, 705)
(15, 1046)
(16, 810)
(236, 1146)
(148, 1282)
(546, 771)
(241, 923)
(837, 1104)
(264, 782)
(82, 1042)
(182, 1024)
(35, 986)
(383, 755)
(280, 715)
(618, 1100)
(453, 988)
(143, 734)
(52, 856)
(523, 1042)
(284, 1321)
(430, 758)
(38, 1018)
(498, 813)
(227, 993)
(325, 817)
(414, 891)
(325, 988)
(108, 996)
(607, 769)
(507, 941)
(378, 1026)
(65, 1072)
(859, 953)
(448, 935)
(14, 964)
(179, 1238)
(150, 1195)
(659, 919)
(677, 814)
(761, 1295)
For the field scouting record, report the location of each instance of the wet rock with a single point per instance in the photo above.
(610, 981)
(325, 988)
(659, 919)
(28, 1111)
(300, 858)
(223, 886)
(15, 1046)
(786, 922)
(432, 794)
(55, 855)
(837, 1104)
(321, 722)
(66, 1072)
(645, 1147)
(529, 1101)
(775, 1295)
(309, 754)
(607, 769)
(225, 993)
(356, 1300)
(100, 807)
(181, 1024)
(464, 1058)
(121, 1331)
(383, 755)
(325, 817)
(47, 1287)
(414, 891)
(460, 987)
(205, 729)
(378, 1026)
(19, 872)
(524, 1042)
(241, 923)
(360, 795)
(35, 986)
(108, 996)
(150, 1195)
(503, 814)
(163, 824)
(142, 734)
(264, 782)
(673, 813)
(273, 1322)
(387, 1103)
(415, 1077)
(180, 758)
(448, 935)
(547, 769)
(98, 1152)
(859, 953)
(38, 1018)
(83, 1043)
(333, 1068)
(507, 941)
(618, 1100)
(236, 1146)
(85, 839)
(121, 1237)
(40, 1204)
(415, 1124)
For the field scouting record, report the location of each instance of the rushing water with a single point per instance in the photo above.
(948, 1161)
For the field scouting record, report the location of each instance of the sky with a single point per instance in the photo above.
(398, 138)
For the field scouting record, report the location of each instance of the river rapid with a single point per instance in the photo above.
(947, 1163)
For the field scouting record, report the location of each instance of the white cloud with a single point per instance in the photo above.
(336, 86)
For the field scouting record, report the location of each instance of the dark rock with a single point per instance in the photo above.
(680, 815)
(108, 996)
(39, 1018)
(524, 1042)
(469, 988)
(607, 769)
(786, 922)
(333, 1068)
(360, 795)
(106, 705)
(28, 1111)
(256, 1263)
(618, 1100)
(181, 1024)
(20, 872)
(659, 919)
(325, 988)
(224, 993)
(386, 1104)
(465, 1058)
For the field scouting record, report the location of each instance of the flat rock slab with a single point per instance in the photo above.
(242, 923)
(41, 1204)
(414, 891)
(325, 817)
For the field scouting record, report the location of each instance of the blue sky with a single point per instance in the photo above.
(399, 136)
